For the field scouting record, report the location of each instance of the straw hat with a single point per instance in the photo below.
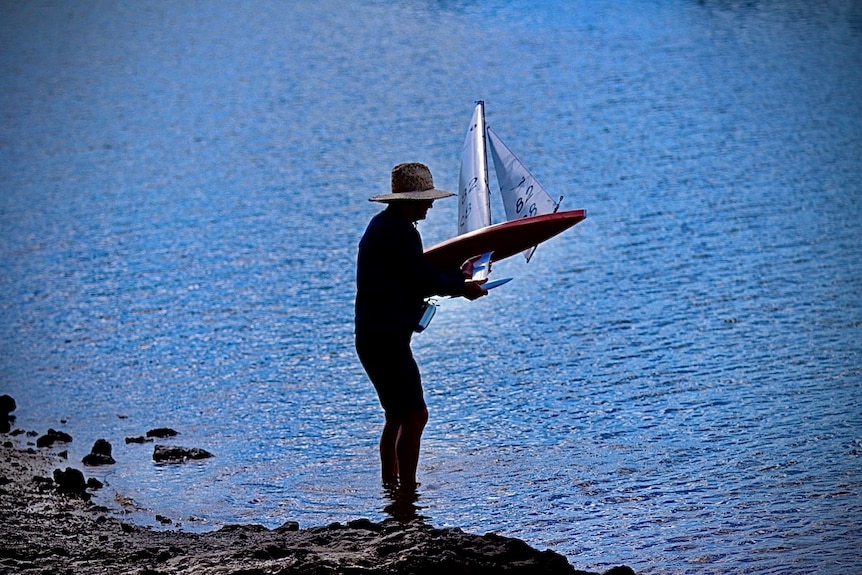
(411, 181)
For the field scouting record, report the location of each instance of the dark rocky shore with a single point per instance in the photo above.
(49, 526)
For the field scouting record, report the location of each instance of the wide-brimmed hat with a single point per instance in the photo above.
(411, 181)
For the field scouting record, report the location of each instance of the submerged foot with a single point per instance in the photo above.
(402, 506)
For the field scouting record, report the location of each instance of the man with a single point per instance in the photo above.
(393, 278)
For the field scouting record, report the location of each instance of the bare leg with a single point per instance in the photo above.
(407, 446)
(388, 456)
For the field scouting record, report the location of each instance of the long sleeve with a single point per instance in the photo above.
(393, 276)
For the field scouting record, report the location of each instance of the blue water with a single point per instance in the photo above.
(674, 384)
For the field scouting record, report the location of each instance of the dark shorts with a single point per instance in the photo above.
(388, 361)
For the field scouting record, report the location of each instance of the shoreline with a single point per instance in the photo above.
(46, 526)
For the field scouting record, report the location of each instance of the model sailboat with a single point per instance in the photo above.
(532, 214)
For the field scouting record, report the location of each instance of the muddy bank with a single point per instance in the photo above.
(49, 527)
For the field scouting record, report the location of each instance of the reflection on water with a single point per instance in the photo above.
(404, 505)
(674, 384)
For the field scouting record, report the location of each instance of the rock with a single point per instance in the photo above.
(97, 459)
(100, 454)
(366, 524)
(138, 439)
(289, 526)
(43, 483)
(71, 482)
(7, 405)
(93, 483)
(162, 432)
(53, 436)
(101, 447)
(174, 454)
(126, 528)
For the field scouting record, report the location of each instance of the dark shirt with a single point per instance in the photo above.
(393, 277)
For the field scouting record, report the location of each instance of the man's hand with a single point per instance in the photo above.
(474, 290)
(468, 267)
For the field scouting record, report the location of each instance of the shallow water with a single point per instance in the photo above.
(674, 384)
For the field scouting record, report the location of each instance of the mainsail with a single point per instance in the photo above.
(523, 195)
(474, 199)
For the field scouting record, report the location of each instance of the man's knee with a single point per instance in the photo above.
(417, 419)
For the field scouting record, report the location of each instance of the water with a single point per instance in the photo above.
(674, 384)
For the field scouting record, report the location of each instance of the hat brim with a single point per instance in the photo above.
(424, 195)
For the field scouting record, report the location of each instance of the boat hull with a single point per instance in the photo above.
(505, 239)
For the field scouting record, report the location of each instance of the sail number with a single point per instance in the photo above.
(523, 201)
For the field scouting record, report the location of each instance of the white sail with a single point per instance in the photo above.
(474, 199)
(523, 195)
